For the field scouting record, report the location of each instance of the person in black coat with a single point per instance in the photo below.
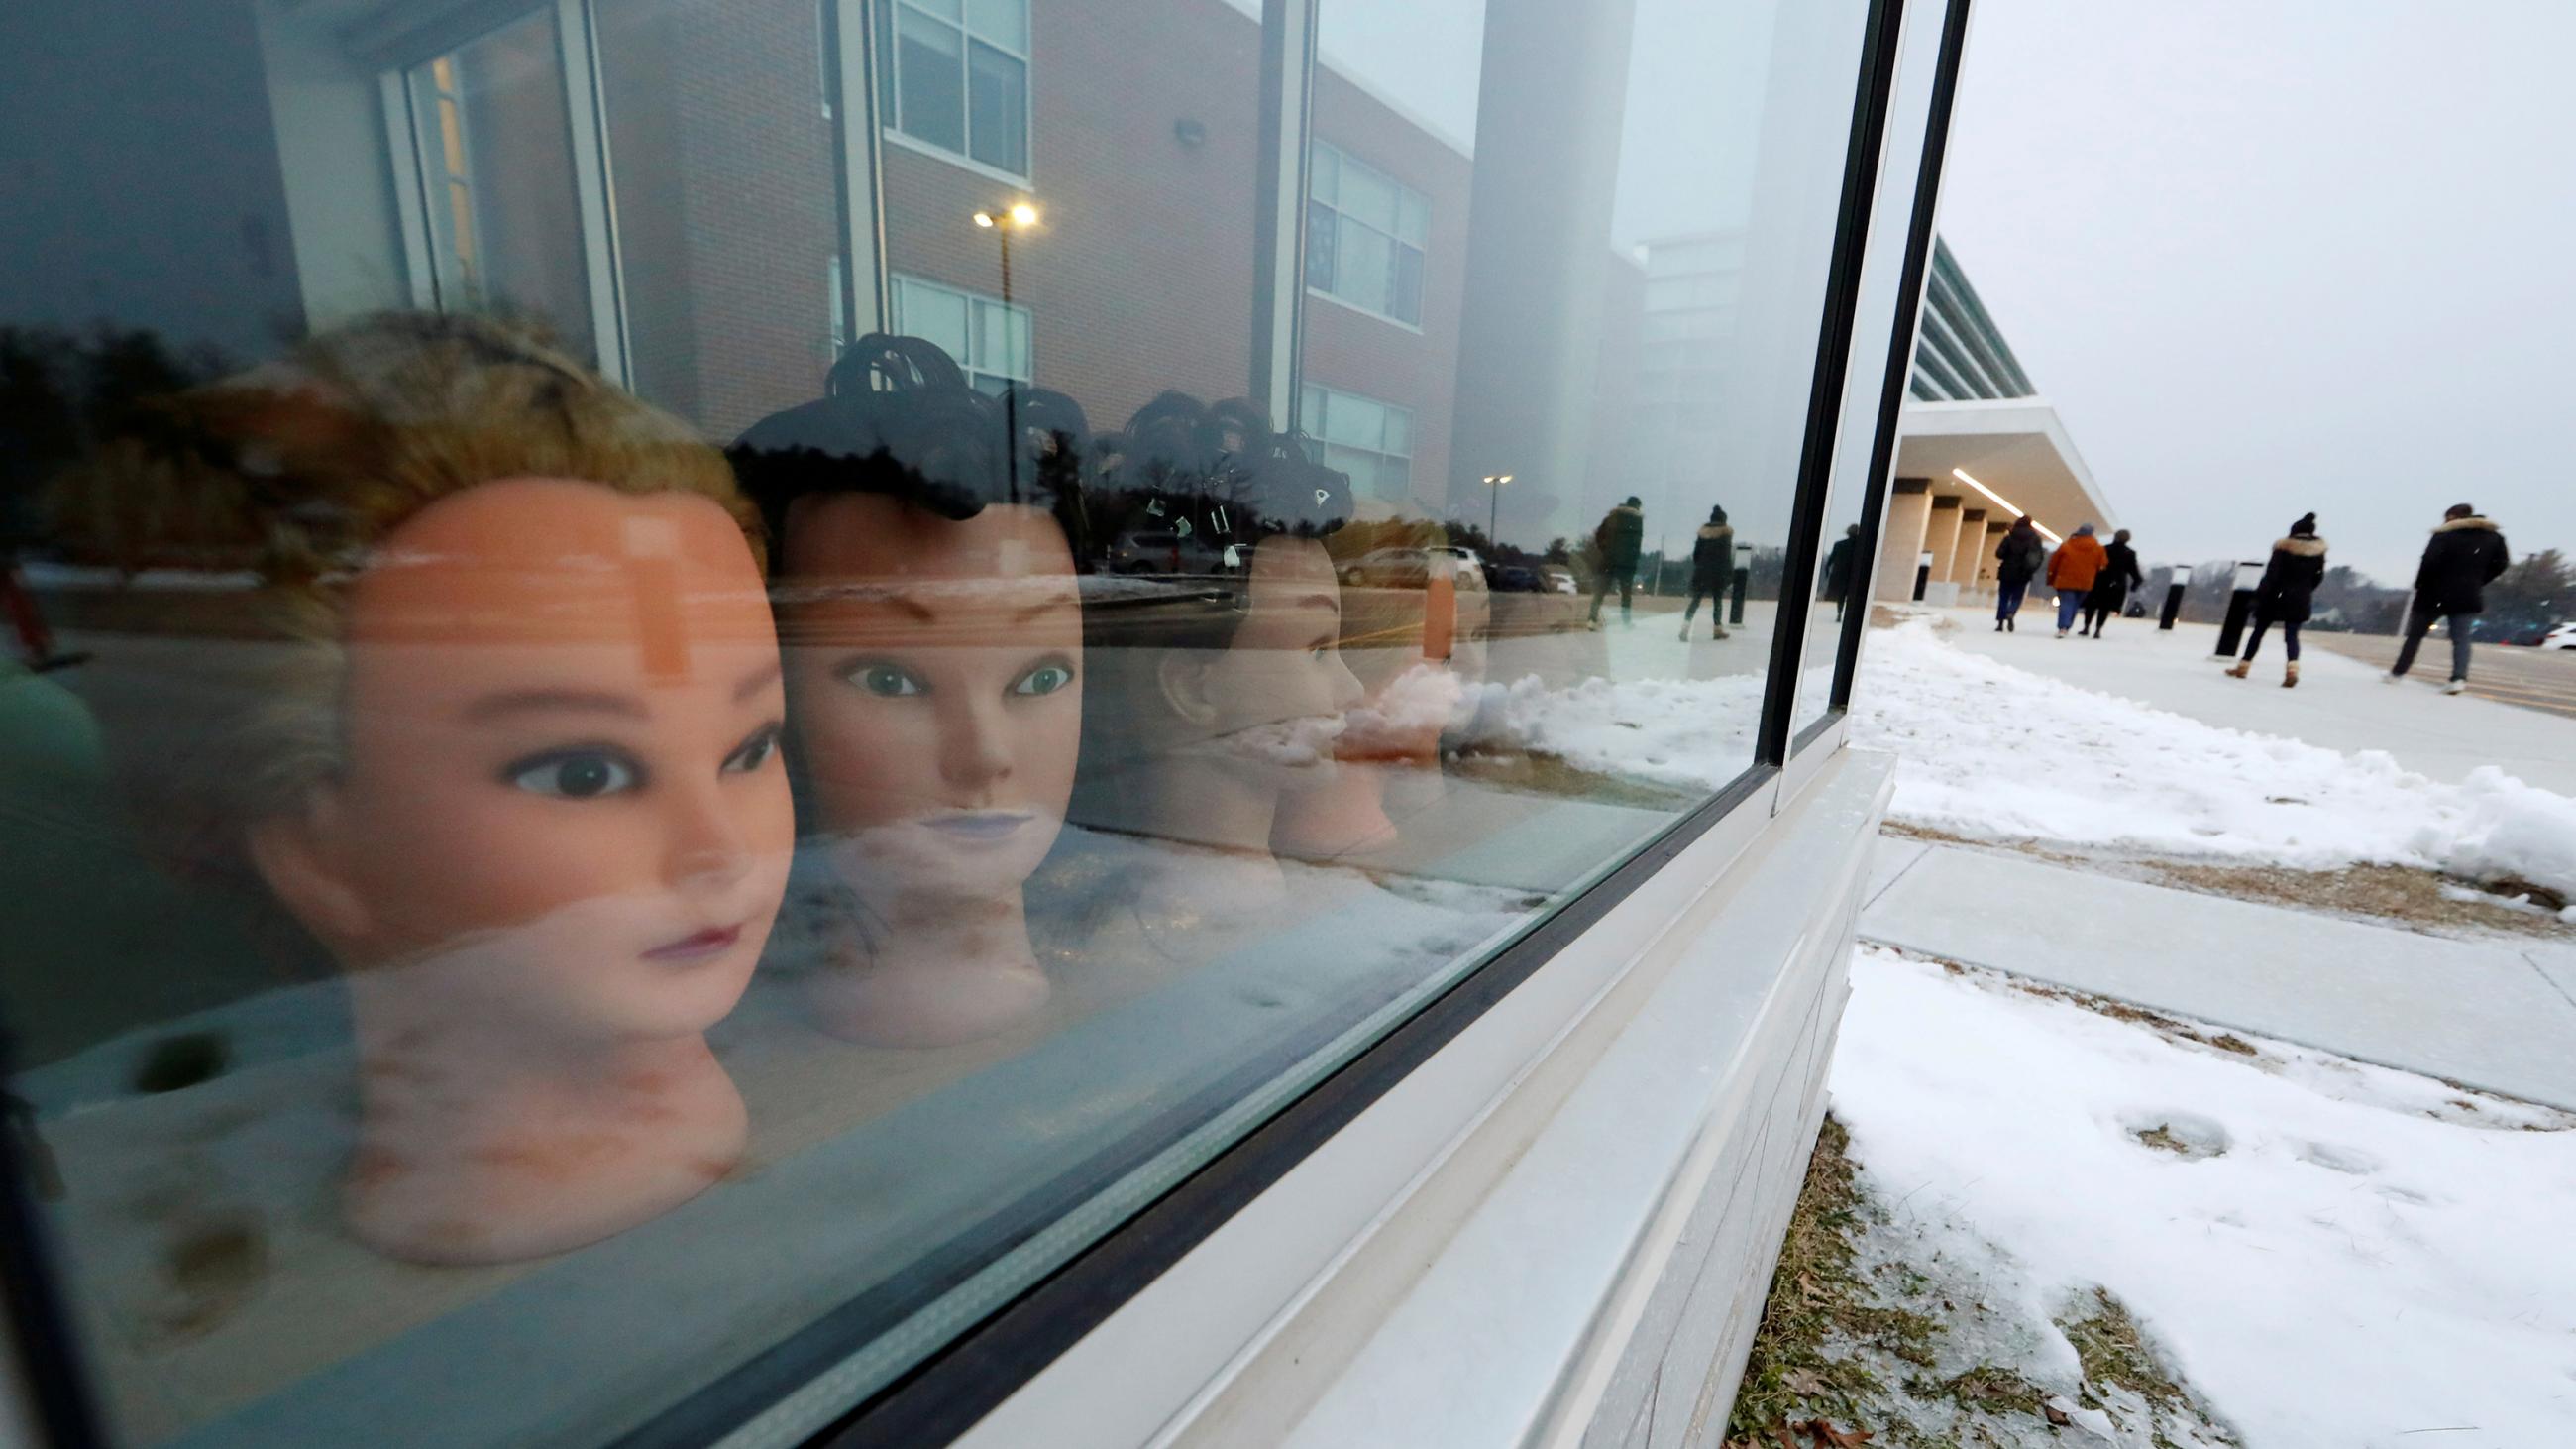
(1839, 561)
(2111, 587)
(2289, 587)
(1712, 569)
(2018, 560)
(2465, 555)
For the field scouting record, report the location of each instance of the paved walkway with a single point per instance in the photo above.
(2541, 679)
(2339, 703)
(2499, 1015)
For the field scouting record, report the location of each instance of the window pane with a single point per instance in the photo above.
(1404, 289)
(999, 90)
(1003, 22)
(1323, 231)
(1325, 174)
(1364, 267)
(1368, 197)
(930, 67)
(934, 314)
(506, 222)
(365, 971)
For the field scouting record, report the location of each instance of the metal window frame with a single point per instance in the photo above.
(1345, 158)
(972, 298)
(1900, 353)
(586, 139)
(1884, 40)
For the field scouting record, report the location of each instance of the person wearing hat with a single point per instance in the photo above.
(1712, 569)
(1621, 539)
(2071, 571)
(2465, 555)
(2289, 586)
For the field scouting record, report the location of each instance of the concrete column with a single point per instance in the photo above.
(1995, 532)
(1900, 538)
(1941, 539)
(1961, 566)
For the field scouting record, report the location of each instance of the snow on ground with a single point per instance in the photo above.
(2337, 1255)
(1995, 752)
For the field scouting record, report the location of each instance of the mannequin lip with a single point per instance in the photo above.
(978, 826)
(699, 945)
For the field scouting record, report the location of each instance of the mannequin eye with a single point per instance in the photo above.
(890, 681)
(1046, 678)
(754, 752)
(575, 774)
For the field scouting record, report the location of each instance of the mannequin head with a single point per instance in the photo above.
(1225, 685)
(925, 582)
(509, 755)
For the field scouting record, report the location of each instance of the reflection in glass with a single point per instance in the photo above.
(577, 932)
(495, 154)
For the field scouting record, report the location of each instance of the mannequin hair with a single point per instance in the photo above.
(302, 468)
(899, 420)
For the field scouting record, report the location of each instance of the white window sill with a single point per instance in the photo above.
(958, 159)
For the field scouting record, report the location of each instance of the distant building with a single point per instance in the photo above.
(1977, 446)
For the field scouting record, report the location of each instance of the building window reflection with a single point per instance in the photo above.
(1370, 440)
(1365, 234)
(987, 337)
(956, 78)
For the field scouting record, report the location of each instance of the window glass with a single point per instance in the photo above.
(487, 122)
(930, 88)
(960, 78)
(642, 808)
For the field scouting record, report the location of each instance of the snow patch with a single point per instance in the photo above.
(2359, 1263)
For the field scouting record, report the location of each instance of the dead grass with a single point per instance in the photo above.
(1537, 774)
(2161, 1138)
(2384, 892)
(2115, 1353)
(1819, 1301)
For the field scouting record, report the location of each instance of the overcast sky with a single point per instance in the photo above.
(2274, 257)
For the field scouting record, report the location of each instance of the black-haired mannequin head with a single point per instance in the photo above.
(924, 575)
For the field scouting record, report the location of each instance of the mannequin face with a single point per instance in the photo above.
(1274, 700)
(936, 668)
(563, 807)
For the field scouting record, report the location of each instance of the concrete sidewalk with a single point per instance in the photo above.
(2339, 704)
(2498, 1015)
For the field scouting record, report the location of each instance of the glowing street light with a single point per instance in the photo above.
(1020, 217)
(1494, 482)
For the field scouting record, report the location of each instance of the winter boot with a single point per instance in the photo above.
(2290, 675)
(1721, 632)
(1686, 631)
(2456, 686)
(2243, 667)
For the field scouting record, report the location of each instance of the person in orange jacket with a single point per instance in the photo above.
(2071, 572)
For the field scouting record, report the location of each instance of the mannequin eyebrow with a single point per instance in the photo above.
(527, 701)
(757, 680)
(1022, 615)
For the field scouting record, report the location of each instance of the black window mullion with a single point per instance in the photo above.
(1881, 42)
(1900, 355)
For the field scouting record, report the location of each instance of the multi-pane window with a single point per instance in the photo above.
(1365, 234)
(990, 339)
(956, 76)
(1370, 440)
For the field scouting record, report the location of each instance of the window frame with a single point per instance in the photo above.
(975, 371)
(1343, 159)
(407, 147)
(1319, 431)
(888, 37)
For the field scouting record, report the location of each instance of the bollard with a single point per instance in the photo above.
(2180, 586)
(1743, 581)
(1922, 574)
(2240, 608)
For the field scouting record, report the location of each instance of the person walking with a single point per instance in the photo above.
(2119, 575)
(1838, 569)
(2465, 555)
(2017, 562)
(2289, 587)
(1621, 538)
(1712, 569)
(2072, 570)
